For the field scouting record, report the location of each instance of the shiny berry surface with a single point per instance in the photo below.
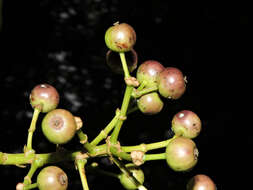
(201, 182)
(59, 126)
(44, 97)
(171, 83)
(127, 182)
(181, 154)
(186, 123)
(114, 62)
(52, 178)
(149, 71)
(150, 104)
(120, 37)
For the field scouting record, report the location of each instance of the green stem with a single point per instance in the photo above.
(142, 85)
(126, 100)
(84, 140)
(32, 128)
(124, 170)
(117, 153)
(28, 177)
(103, 134)
(146, 147)
(46, 158)
(139, 93)
(80, 165)
(148, 157)
(31, 186)
(123, 112)
(124, 64)
(132, 109)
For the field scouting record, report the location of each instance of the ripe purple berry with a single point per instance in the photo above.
(149, 71)
(127, 182)
(44, 97)
(150, 104)
(181, 154)
(52, 178)
(120, 37)
(201, 182)
(186, 123)
(114, 62)
(171, 83)
(59, 126)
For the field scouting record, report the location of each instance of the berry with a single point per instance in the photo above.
(150, 104)
(186, 123)
(59, 126)
(44, 97)
(181, 154)
(201, 182)
(52, 178)
(171, 83)
(114, 62)
(127, 182)
(149, 71)
(120, 37)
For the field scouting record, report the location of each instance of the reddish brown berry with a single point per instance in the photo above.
(149, 71)
(120, 37)
(59, 126)
(171, 83)
(181, 154)
(52, 178)
(114, 62)
(44, 97)
(201, 182)
(150, 104)
(186, 123)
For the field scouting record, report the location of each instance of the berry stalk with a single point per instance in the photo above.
(32, 170)
(31, 186)
(80, 165)
(84, 140)
(103, 134)
(32, 128)
(149, 157)
(124, 64)
(138, 93)
(147, 147)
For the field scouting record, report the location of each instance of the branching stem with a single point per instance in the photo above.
(103, 134)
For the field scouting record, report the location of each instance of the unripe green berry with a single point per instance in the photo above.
(149, 71)
(114, 62)
(120, 37)
(127, 182)
(44, 97)
(186, 123)
(201, 182)
(171, 83)
(52, 178)
(150, 104)
(181, 154)
(59, 126)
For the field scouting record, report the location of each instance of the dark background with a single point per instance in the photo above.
(62, 43)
